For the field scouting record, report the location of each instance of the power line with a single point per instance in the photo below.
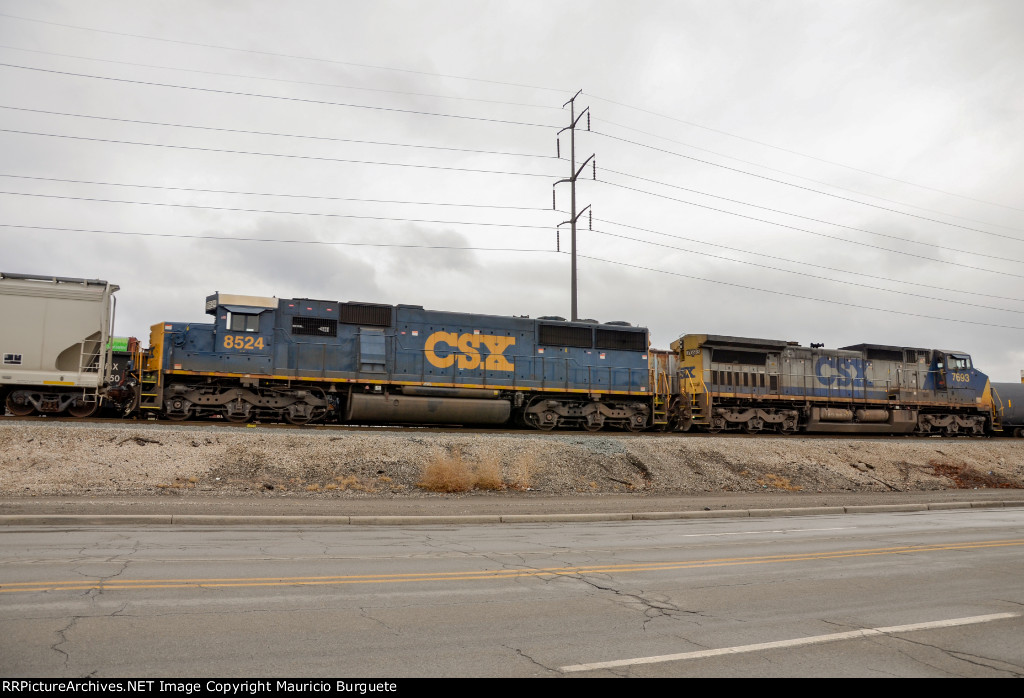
(284, 80)
(277, 240)
(495, 249)
(824, 235)
(291, 196)
(805, 274)
(797, 186)
(278, 97)
(823, 267)
(284, 213)
(784, 172)
(818, 266)
(281, 55)
(281, 135)
(794, 152)
(277, 155)
(888, 311)
(930, 245)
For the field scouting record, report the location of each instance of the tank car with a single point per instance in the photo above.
(1011, 403)
(736, 383)
(302, 360)
(55, 358)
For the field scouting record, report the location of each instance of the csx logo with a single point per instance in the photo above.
(468, 346)
(686, 371)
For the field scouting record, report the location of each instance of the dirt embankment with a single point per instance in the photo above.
(45, 459)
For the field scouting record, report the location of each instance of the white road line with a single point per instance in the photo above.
(866, 632)
(778, 530)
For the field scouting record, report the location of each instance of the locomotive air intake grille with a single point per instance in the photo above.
(315, 327)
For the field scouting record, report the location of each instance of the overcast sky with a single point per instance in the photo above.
(836, 172)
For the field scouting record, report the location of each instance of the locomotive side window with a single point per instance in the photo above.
(959, 363)
(243, 322)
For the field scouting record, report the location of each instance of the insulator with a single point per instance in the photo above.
(594, 163)
(590, 218)
(553, 207)
(558, 147)
(558, 241)
(588, 119)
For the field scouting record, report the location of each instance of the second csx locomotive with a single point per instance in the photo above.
(736, 383)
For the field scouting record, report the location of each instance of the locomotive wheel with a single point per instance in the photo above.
(240, 415)
(237, 417)
(19, 410)
(82, 409)
(635, 424)
(592, 426)
(297, 419)
(182, 409)
(545, 421)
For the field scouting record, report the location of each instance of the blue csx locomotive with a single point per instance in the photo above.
(303, 360)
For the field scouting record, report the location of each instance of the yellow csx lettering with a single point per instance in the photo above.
(469, 346)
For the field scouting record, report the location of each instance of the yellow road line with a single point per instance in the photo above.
(472, 575)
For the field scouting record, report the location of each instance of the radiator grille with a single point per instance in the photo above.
(562, 336)
(621, 339)
(365, 314)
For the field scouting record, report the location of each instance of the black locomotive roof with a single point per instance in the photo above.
(885, 347)
(749, 342)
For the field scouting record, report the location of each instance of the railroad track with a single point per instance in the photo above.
(456, 429)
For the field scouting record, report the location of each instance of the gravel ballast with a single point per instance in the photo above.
(40, 459)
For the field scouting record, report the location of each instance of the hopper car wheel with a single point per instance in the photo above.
(178, 416)
(82, 409)
(19, 410)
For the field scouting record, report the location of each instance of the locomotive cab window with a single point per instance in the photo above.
(959, 363)
(243, 322)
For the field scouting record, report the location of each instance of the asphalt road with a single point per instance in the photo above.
(923, 593)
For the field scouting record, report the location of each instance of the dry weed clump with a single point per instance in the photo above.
(778, 482)
(487, 475)
(454, 473)
(447, 473)
(351, 482)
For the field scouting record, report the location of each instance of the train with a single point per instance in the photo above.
(304, 361)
